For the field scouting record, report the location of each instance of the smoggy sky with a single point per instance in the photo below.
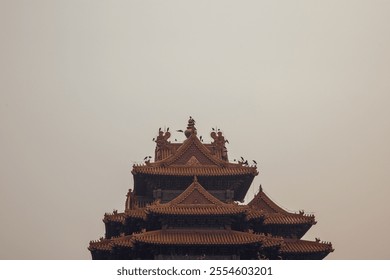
(302, 87)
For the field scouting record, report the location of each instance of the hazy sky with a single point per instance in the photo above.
(302, 87)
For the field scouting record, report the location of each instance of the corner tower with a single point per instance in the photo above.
(184, 205)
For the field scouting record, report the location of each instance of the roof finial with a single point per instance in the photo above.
(260, 188)
(190, 128)
(195, 179)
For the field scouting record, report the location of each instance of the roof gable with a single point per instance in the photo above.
(191, 153)
(262, 202)
(195, 194)
(274, 214)
(195, 200)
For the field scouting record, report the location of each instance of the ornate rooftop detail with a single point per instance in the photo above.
(192, 157)
(193, 161)
(195, 170)
(190, 128)
(130, 200)
(163, 147)
(219, 145)
(170, 216)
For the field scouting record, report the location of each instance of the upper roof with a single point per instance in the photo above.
(196, 200)
(192, 157)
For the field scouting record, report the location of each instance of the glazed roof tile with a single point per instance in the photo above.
(114, 217)
(304, 246)
(204, 237)
(255, 214)
(123, 241)
(138, 213)
(102, 245)
(288, 219)
(199, 210)
(107, 244)
(195, 170)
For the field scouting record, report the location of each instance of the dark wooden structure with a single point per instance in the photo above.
(184, 205)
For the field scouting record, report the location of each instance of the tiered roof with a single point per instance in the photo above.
(193, 158)
(182, 237)
(255, 225)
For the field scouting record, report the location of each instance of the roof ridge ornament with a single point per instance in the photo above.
(191, 129)
(219, 144)
(162, 145)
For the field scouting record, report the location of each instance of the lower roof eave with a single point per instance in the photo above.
(204, 238)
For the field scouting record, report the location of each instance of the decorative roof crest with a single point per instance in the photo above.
(191, 129)
(219, 144)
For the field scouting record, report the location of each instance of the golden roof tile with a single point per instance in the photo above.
(195, 170)
(138, 213)
(107, 244)
(288, 219)
(204, 237)
(114, 217)
(123, 241)
(255, 214)
(304, 246)
(102, 245)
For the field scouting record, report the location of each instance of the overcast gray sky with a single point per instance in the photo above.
(302, 87)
